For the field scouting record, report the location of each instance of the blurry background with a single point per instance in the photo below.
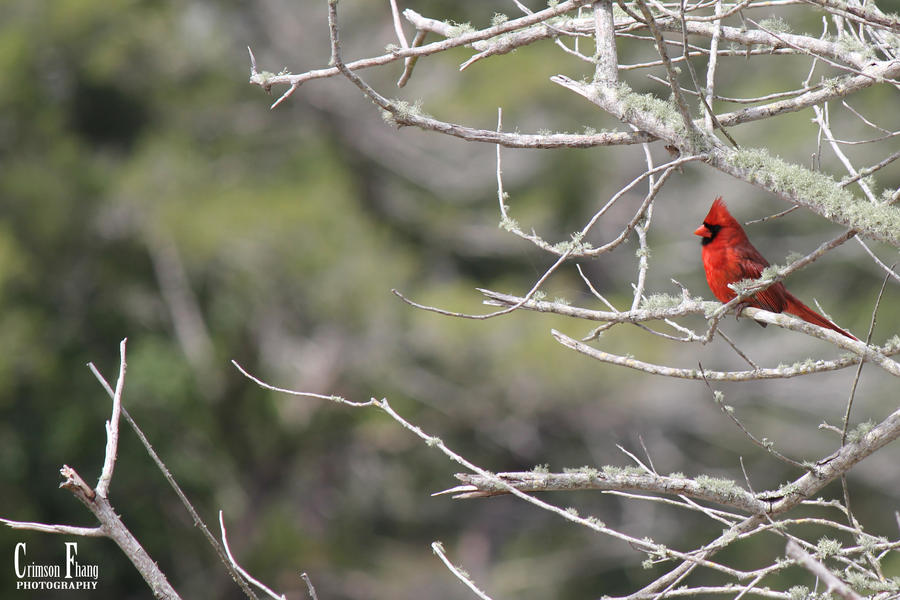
(146, 191)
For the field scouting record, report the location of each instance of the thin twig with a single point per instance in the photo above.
(398, 26)
(265, 385)
(241, 569)
(198, 521)
(712, 65)
(777, 215)
(823, 121)
(112, 425)
(821, 571)
(737, 350)
(61, 529)
(753, 375)
(670, 70)
(709, 114)
(763, 443)
(410, 61)
(865, 172)
(889, 270)
(846, 419)
(309, 587)
(438, 548)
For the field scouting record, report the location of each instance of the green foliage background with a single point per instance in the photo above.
(129, 136)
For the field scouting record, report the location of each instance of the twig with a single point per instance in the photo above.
(410, 61)
(501, 195)
(497, 313)
(763, 443)
(846, 419)
(241, 569)
(821, 571)
(112, 425)
(869, 170)
(594, 291)
(712, 65)
(836, 88)
(754, 375)
(705, 52)
(878, 355)
(198, 521)
(265, 385)
(438, 548)
(61, 529)
(777, 215)
(709, 115)
(750, 586)
(590, 523)
(756, 100)
(867, 14)
(571, 248)
(865, 120)
(309, 587)
(113, 528)
(889, 270)
(737, 350)
(722, 516)
(267, 80)
(398, 26)
(881, 138)
(670, 70)
(641, 228)
(822, 119)
(724, 590)
(636, 460)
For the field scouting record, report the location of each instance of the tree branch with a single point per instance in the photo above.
(832, 583)
(607, 479)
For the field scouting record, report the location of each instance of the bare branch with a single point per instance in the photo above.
(606, 72)
(62, 529)
(174, 484)
(608, 478)
(821, 571)
(267, 80)
(796, 370)
(765, 444)
(438, 549)
(670, 70)
(113, 528)
(309, 587)
(241, 569)
(846, 421)
(867, 14)
(410, 61)
(112, 426)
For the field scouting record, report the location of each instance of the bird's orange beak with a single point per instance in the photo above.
(703, 231)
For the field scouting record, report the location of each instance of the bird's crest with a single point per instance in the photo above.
(718, 214)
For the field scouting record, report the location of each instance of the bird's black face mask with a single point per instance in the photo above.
(713, 232)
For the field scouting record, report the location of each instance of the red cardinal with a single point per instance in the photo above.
(729, 257)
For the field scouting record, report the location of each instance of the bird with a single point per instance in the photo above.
(729, 257)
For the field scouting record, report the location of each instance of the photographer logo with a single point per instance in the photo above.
(70, 575)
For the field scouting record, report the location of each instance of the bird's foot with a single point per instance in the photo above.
(740, 308)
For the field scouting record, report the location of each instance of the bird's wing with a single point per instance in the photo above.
(752, 263)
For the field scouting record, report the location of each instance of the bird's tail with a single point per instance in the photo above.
(795, 307)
